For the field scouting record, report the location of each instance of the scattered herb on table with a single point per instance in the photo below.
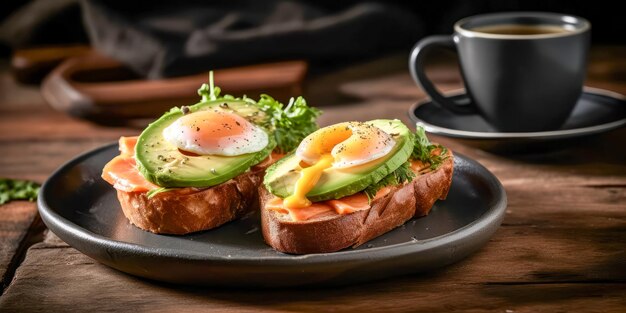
(14, 189)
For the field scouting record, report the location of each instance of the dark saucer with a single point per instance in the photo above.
(597, 111)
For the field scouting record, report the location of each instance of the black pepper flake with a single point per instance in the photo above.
(197, 129)
(185, 109)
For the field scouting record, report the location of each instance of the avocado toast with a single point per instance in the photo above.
(200, 166)
(349, 183)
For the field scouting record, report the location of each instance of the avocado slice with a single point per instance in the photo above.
(163, 164)
(280, 178)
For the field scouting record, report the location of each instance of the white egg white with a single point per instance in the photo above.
(253, 140)
(342, 151)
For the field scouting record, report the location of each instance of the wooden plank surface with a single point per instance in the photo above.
(530, 265)
(18, 219)
(562, 246)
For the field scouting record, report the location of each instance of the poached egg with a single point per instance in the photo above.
(215, 132)
(349, 144)
(342, 146)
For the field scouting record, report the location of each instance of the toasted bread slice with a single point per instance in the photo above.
(331, 232)
(187, 210)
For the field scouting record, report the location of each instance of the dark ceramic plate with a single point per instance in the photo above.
(82, 209)
(597, 111)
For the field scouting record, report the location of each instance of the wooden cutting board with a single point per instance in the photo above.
(90, 85)
(31, 65)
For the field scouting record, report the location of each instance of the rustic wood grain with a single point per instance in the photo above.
(561, 248)
(19, 226)
(516, 271)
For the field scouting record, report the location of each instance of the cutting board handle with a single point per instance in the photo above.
(100, 88)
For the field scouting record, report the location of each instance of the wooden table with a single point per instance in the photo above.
(561, 246)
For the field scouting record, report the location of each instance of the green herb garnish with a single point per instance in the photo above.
(401, 175)
(423, 150)
(289, 124)
(13, 189)
(209, 92)
(156, 191)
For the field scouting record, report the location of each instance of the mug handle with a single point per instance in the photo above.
(416, 66)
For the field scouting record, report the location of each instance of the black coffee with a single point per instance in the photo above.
(513, 29)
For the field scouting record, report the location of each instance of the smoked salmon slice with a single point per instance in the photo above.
(121, 171)
(127, 145)
(302, 214)
(345, 205)
(350, 204)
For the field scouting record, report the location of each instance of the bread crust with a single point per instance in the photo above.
(332, 232)
(188, 210)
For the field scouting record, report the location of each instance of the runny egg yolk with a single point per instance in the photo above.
(309, 176)
(340, 146)
(215, 132)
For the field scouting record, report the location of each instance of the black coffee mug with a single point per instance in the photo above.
(523, 71)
